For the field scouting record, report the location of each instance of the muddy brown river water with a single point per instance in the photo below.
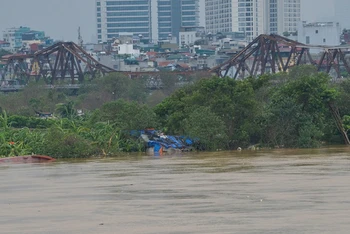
(277, 191)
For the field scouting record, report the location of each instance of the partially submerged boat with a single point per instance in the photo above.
(28, 159)
(158, 142)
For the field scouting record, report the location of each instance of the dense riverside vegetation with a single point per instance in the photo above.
(301, 109)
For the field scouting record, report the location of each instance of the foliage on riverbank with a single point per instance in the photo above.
(301, 108)
(75, 136)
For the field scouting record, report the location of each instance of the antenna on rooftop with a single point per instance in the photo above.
(80, 38)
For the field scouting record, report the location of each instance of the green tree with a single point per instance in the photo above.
(127, 115)
(67, 145)
(4, 124)
(66, 110)
(233, 101)
(111, 88)
(306, 101)
(207, 127)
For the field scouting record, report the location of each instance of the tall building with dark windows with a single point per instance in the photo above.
(151, 19)
(174, 14)
(121, 16)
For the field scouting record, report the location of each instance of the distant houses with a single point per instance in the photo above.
(25, 40)
(196, 51)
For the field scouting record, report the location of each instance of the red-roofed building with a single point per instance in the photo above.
(34, 47)
(151, 54)
(184, 66)
(165, 63)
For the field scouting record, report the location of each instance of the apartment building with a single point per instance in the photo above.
(14, 36)
(235, 16)
(282, 16)
(218, 16)
(253, 17)
(21, 37)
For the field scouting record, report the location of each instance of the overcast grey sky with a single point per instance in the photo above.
(60, 19)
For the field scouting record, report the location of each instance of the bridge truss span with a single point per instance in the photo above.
(60, 61)
(274, 53)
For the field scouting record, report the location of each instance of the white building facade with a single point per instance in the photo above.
(319, 33)
(291, 16)
(9, 36)
(189, 35)
(282, 16)
(253, 17)
(218, 16)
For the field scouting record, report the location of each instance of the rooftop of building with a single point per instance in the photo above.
(33, 31)
(4, 42)
(192, 28)
(320, 24)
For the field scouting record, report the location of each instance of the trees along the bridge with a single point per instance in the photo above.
(295, 116)
(168, 82)
(66, 110)
(202, 123)
(296, 111)
(112, 123)
(32, 98)
(343, 103)
(126, 115)
(121, 86)
(105, 132)
(225, 100)
(286, 109)
(110, 88)
(300, 110)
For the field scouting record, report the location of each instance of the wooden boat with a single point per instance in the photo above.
(28, 159)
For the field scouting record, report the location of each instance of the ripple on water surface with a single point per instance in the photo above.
(276, 191)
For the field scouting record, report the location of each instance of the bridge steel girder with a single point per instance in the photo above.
(62, 60)
(274, 53)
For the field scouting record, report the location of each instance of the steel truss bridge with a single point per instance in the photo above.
(274, 53)
(265, 54)
(67, 60)
(60, 61)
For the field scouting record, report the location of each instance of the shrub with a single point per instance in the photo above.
(18, 121)
(208, 127)
(61, 145)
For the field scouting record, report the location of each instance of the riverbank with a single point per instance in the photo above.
(298, 109)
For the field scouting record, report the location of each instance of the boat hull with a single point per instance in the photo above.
(28, 159)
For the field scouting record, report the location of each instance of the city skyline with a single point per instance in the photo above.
(60, 20)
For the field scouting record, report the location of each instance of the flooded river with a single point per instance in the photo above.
(280, 191)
